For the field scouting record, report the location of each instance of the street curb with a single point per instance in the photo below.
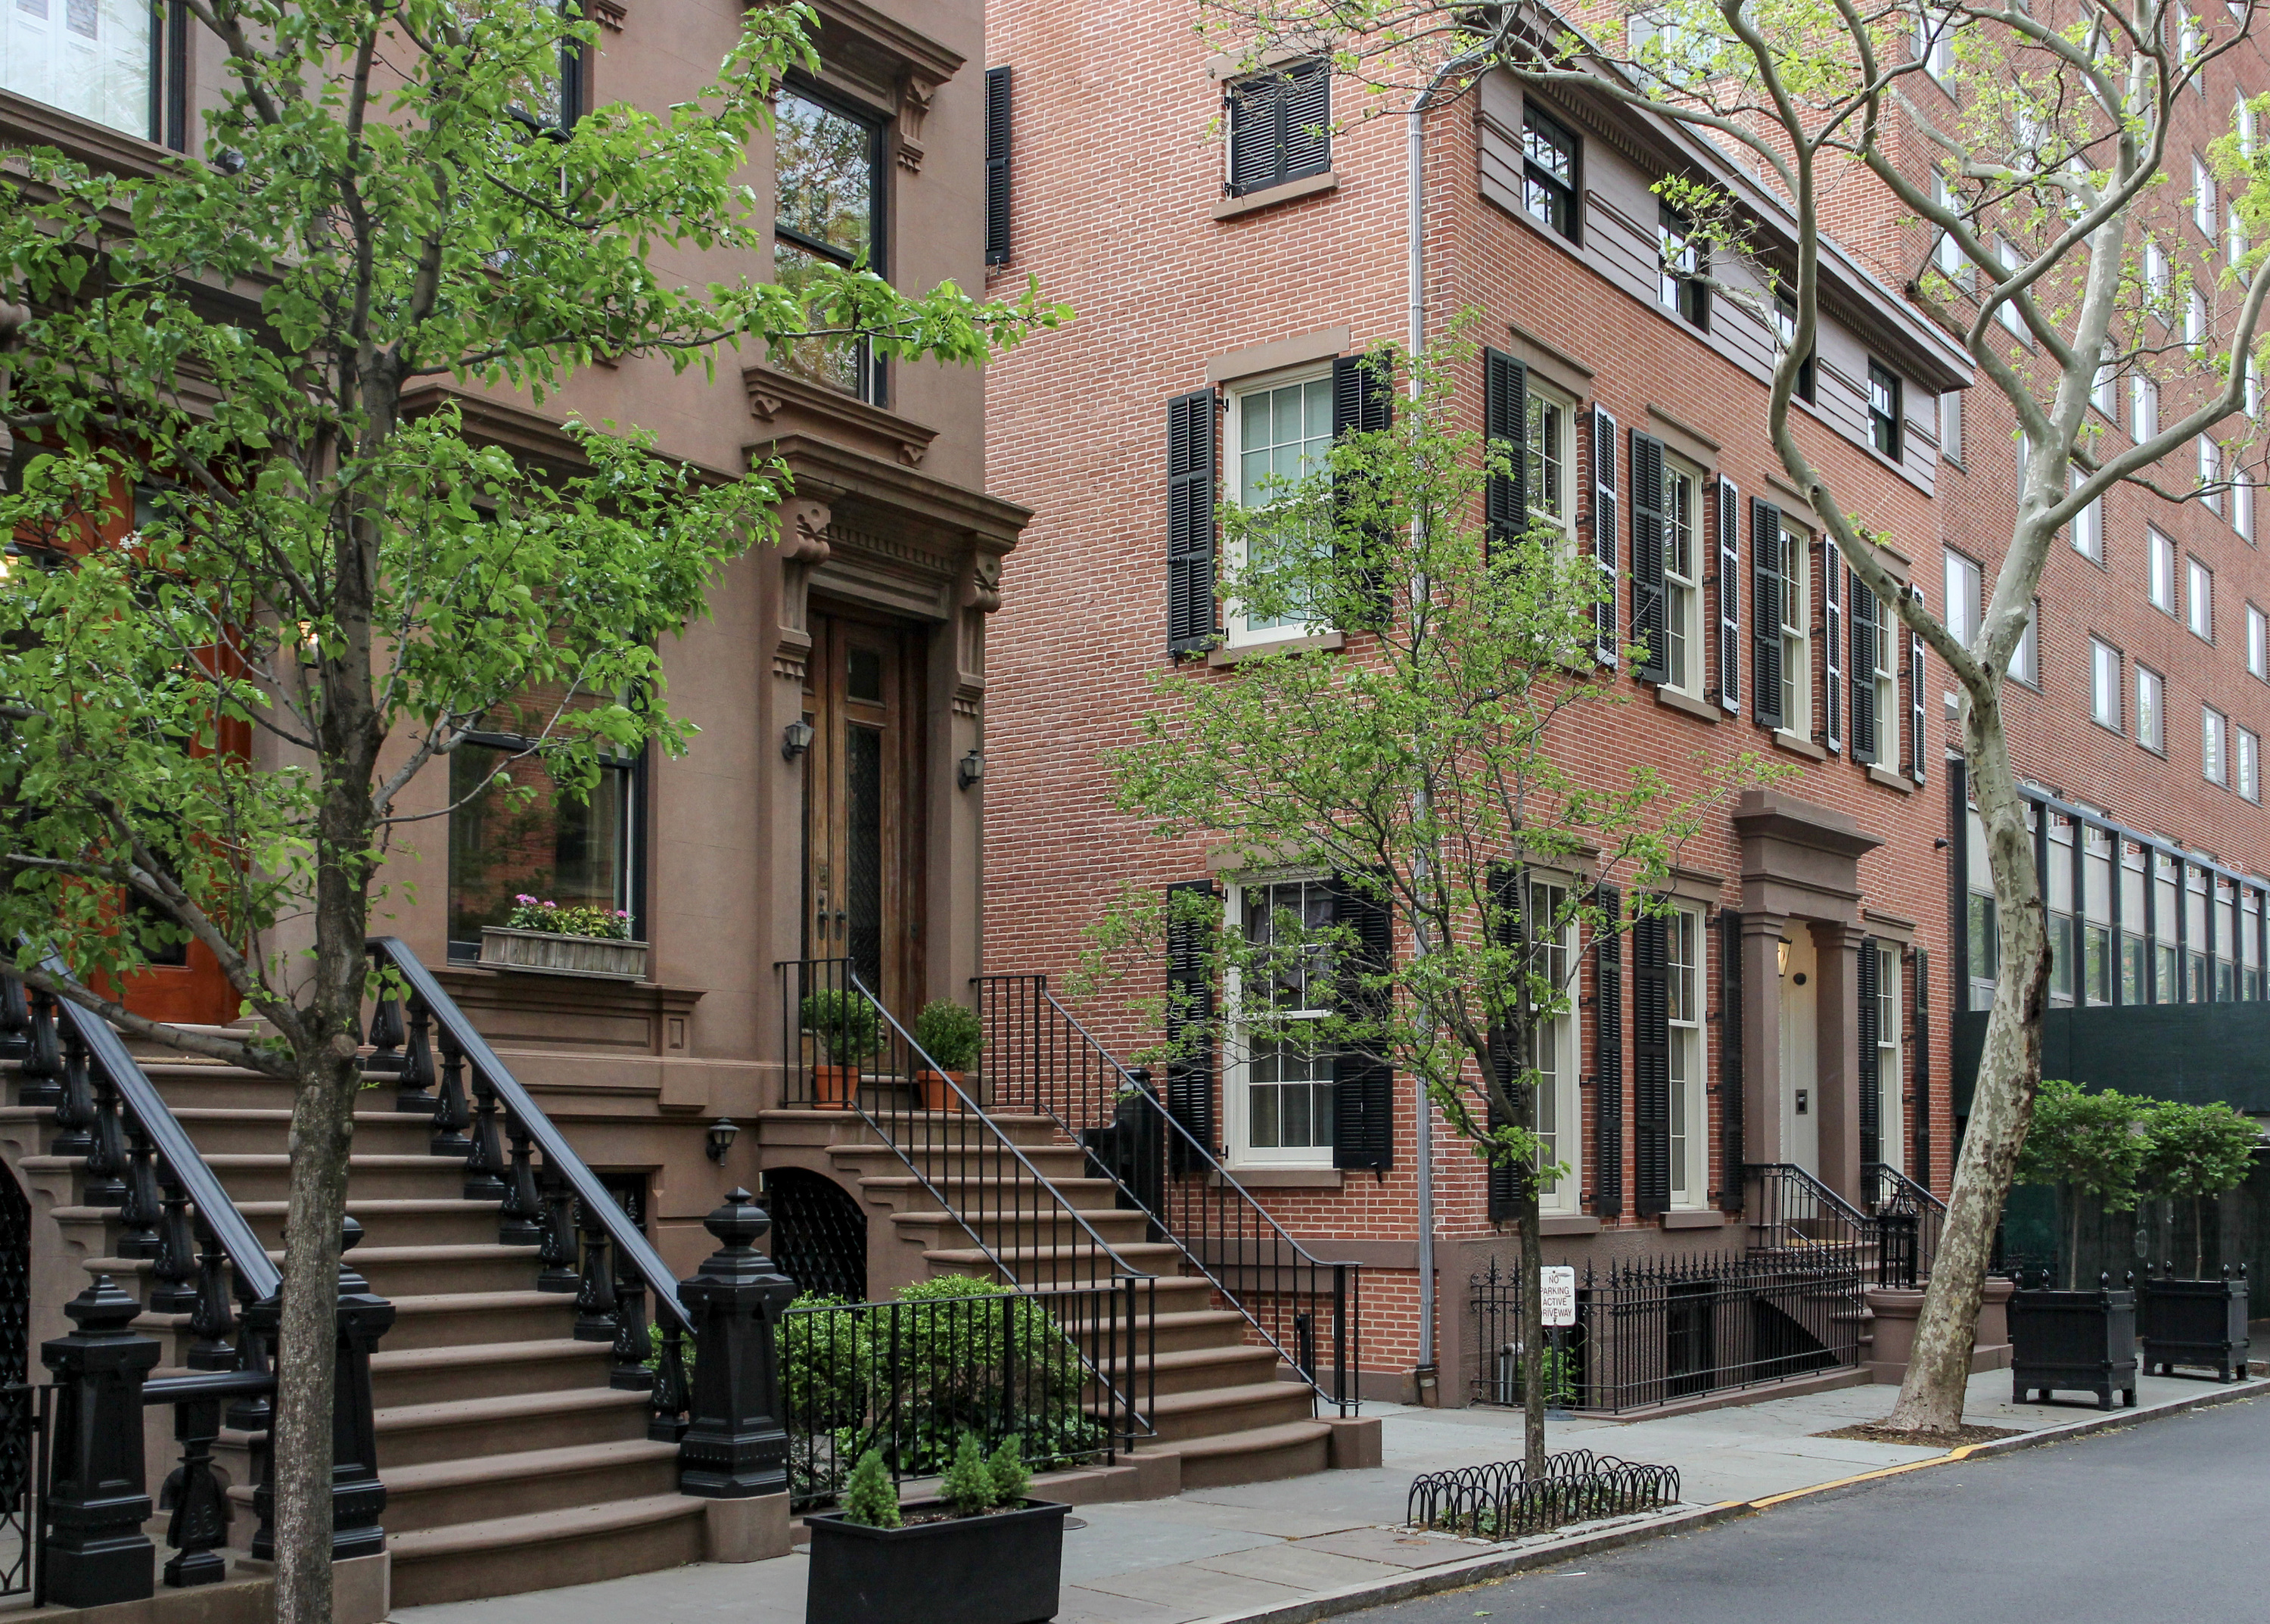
(1500, 1565)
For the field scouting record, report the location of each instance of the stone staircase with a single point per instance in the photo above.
(1218, 1405)
(509, 1462)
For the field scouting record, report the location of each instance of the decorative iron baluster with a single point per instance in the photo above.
(255, 1412)
(74, 1102)
(520, 1222)
(40, 1082)
(211, 1321)
(193, 1496)
(559, 1254)
(595, 1315)
(176, 1267)
(486, 1162)
(15, 1019)
(450, 1114)
(666, 1421)
(386, 1036)
(105, 1184)
(140, 1215)
(411, 1093)
(634, 1345)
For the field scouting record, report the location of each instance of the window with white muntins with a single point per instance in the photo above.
(1280, 1087)
(1279, 433)
(1689, 1067)
(1682, 578)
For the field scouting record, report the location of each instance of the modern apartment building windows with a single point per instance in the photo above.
(2215, 745)
(1548, 170)
(2151, 709)
(2246, 754)
(2161, 586)
(2026, 658)
(2210, 474)
(2104, 683)
(2199, 599)
(2088, 529)
(1279, 128)
(2258, 643)
(2202, 197)
(2144, 409)
(1964, 598)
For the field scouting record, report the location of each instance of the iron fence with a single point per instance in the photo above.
(1908, 1219)
(907, 1378)
(1504, 1500)
(1652, 1331)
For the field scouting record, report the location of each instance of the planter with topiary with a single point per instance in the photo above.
(844, 1025)
(981, 1553)
(553, 938)
(949, 1035)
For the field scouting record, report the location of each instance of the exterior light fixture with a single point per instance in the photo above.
(721, 1136)
(971, 769)
(796, 738)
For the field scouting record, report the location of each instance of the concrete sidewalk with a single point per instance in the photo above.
(1315, 1546)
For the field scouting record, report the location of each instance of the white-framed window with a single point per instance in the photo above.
(2252, 383)
(2242, 510)
(2187, 40)
(1950, 425)
(2144, 409)
(2156, 275)
(2162, 586)
(1279, 1096)
(2202, 197)
(1681, 262)
(2104, 683)
(1279, 433)
(2194, 320)
(1935, 43)
(91, 57)
(1964, 598)
(1796, 632)
(2249, 757)
(1552, 442)
(2088, 526)
(2199, 605)
(2242, 121)
(1558, 1048)
(1890, 637)
(2235, 245)
(1690, 1116)
(2151, 706)
(2258, 643)
(2215, 745)
(1682, 578)
(2210, 473)
(2026, 658)
(2105, 389)
(2008, 312)
(1953, 262)
(1891, 1123)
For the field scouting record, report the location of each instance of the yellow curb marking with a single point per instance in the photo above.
(1962, 1453)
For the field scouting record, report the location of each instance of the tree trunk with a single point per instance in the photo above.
(1534, 1373)
(2009, 1074)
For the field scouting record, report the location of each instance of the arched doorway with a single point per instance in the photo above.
(820, 1233)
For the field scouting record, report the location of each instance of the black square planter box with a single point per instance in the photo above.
(2073, 1340)
(2193, 1322)
(1002, 1569)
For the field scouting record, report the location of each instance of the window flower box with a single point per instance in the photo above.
(548, 953)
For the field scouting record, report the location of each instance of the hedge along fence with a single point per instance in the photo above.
(908, 1377)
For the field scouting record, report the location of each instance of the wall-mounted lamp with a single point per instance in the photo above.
(1781, 953)
(796, 738)
(971, 769)
(721, 1136)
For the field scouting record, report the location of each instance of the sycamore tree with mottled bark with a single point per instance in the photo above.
(2047, 190)
(1444, 791)
(264, 576)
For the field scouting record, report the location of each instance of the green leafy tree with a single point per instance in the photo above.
(2036, 163)
(2196, 1153)
(279, 577)
(2086, 1144)
(1427, 769)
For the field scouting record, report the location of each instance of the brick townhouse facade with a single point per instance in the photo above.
(1219, 282)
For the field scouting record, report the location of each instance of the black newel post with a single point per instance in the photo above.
(93, 1551)
(735, 1445)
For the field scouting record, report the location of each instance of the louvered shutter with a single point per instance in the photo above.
(1919, 1045)
(1252, 109)
(1603, 535)
(1765, 614)
(1832, 647)
(1505, 415)
(1917, 741)
(1363, 1086)
(1730, 597)
(997, 166)
(1190, 1021)
(1608, 1055)
(1505, 1183)
(1363, 403)
(1279, 128)
(1305, 111)
(1731, 1147)
(1867, 629)
(1872, 1098)
(1652, 1065)
(1647, 624)
(1189, 522)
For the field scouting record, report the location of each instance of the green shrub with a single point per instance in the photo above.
(870, 1498)
(949, 1035)
(968, 1487)
(1008, 1469)
(529, 913)
(842, 1022)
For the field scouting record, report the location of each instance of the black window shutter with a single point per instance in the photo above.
(997, 166)
(1280, 127)
(1867, 630)
(1363, 1086)
(1363, 403)
(1505, 1183)
(1253, 109)
(1872, 1097)
(1731, 1149)
(1189, 522)
(1305, 107)
(1915, 738)
(1646, 628)
(1505, 422)
(1765, 614)
(1730, 597)
(1650, 1066)
(1832, 647)
(1608, 1055)
(1190, 1014)
(1919, 1044)
(1603, 535)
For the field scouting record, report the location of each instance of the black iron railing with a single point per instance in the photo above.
(1791, 1211)
(1652, 1332)
(1504, 1499)
(1908, 1219)
(1038, 1058)
(908, 1378)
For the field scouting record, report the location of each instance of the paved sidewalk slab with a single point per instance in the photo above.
(1310, 1547)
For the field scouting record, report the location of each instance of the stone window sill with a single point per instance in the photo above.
(1693, 1221)
(1784, 739)
(1307, 186)
(1686, 704)
(1282, 1178)
(1230, 654)
(1568, 1223)
(1890, 781)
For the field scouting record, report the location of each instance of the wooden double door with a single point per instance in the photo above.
(864, 827)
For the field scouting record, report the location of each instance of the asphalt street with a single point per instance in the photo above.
(2160, 1523)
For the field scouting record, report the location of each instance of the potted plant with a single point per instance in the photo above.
(2083, 1144)
(2083, 1339)
(949, 1035)
(2193, 1152)
(981, 1553)
(842, 1026)
(564, 938)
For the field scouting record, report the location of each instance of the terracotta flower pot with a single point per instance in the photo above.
(833, 1086)
(936, 1096)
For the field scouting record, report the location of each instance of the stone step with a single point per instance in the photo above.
(479, 1317)
(1181, 1416)
(541, 1550)
(1196, 1370)
(799, 1125)
(1290, 1449)
(492, 1423)
(1023, 1226)
(1083, 1263)
(441, 1492)
(393, 1221)
(220, 1131)
(403, 1376)
(269, 1177)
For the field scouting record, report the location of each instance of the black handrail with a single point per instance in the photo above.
(1077, 1082)
(600, 1209)
(256, 1274)
(1800, 1213)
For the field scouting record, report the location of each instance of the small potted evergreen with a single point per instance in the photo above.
(981, 1553)
(951, 1035)
(2195, 1154)
(2085, 1339)
(557, 938)
(842, 1025)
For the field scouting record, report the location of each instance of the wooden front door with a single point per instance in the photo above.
(863, 823)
